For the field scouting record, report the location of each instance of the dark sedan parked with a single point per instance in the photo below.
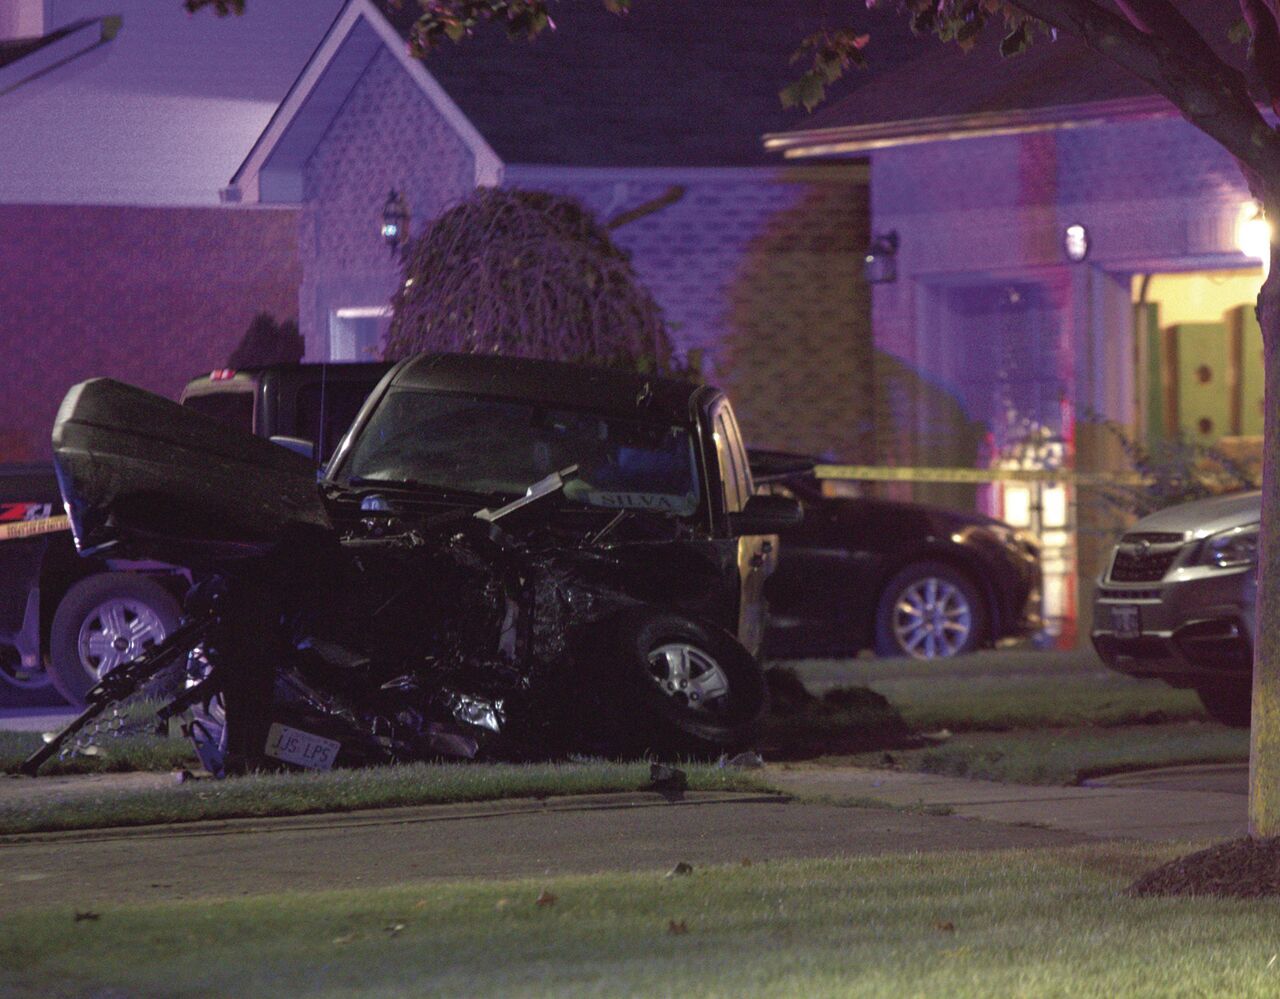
(901, 578)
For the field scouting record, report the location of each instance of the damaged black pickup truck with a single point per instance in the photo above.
(503, 558)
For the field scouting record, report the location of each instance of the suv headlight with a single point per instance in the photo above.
(1230, 549)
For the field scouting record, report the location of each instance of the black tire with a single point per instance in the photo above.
(963, 607)
(144, 608)
(639, 711)
(1227, 702)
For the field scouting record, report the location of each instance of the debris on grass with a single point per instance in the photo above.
(843, 720)
(680, 870)
(668, 781)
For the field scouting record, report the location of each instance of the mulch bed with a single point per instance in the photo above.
(1242, 868)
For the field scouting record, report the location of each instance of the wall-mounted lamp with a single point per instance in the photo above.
(880, 266)
(395, 220)
(1075, 243)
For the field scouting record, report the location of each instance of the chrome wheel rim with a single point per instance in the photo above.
(115, 632)
(932, 619)
(687, 674)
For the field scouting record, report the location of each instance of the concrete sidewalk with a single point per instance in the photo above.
(1170, 804)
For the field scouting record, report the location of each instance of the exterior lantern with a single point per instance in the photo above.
(880, 266)
(1075, 243)
(395, 220)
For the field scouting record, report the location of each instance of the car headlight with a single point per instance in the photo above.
(1230, 549)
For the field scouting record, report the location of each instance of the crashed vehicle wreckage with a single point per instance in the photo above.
(420, 600)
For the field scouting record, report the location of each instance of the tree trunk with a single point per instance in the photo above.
(1264, 748)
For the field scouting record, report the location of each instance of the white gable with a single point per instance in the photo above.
(162, 114)
(273, 170)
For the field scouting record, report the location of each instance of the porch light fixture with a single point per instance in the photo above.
(395, 220)
(1253, 233)
(880, 266)
(1075, 243)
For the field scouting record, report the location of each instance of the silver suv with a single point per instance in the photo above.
(1176, 601)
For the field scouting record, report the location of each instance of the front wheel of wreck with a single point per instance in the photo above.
(671, 687)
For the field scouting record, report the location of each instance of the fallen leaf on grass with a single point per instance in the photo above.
(90, 916)
(745, 862)
(680, 870)
(945, 927)
(346, 938)
(545, 899)
(420, 904)
(393, 929)
(677, 929)
(501, 904)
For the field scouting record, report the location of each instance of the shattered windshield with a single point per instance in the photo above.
(481, 445)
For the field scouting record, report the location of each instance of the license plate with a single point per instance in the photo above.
(1126, 621)
(301, 748)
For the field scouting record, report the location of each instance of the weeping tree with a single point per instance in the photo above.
(527, 274)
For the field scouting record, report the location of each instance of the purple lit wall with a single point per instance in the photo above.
(759, 268)
(150, 296)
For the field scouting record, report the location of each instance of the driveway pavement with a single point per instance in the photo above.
(1202, 802)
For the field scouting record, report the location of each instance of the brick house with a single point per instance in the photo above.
(1068, 249)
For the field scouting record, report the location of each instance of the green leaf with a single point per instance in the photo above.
(808, 91)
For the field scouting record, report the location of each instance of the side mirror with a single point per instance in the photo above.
(765, 514)
(298, 445)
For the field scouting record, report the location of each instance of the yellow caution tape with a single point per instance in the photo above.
(879, 473)
(30, 528)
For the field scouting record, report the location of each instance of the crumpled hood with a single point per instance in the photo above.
(1204, 517)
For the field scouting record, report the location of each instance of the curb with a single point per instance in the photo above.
(400, 815)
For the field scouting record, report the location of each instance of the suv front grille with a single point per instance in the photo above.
(1144, 557)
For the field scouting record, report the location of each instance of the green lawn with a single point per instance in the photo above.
(1030, 717)
(1045, 923)
(992, 691)
(1068, 756)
